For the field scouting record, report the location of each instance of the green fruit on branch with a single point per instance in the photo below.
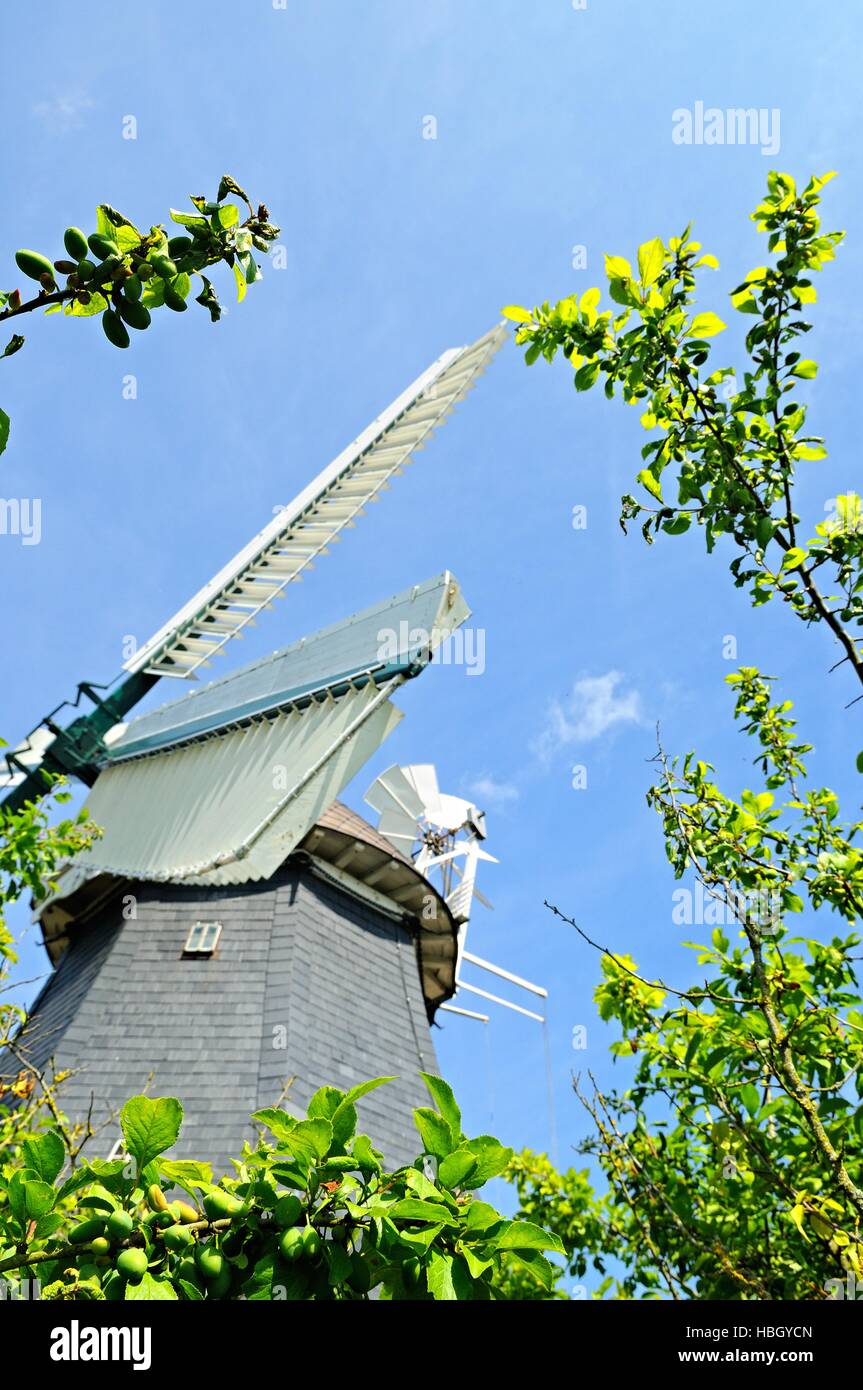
(138, 316)
(221, 1285)
(178, 1237)
(86, 270)
(119, 1225)
(179, 245)
(291, 1245)
(311, 1243)
(156, 1199)
(86, 1231)
(75, 242)
(210, 1261)
(113, 1287)
(100, 1246)
(174, 300)
(102, 246)
(115, 329)
(412, 1272)
(132, 287)
(132, 1265)
(164, 266)
(220, 1205)
(144, 270)
(188, 1270)
(233, 1241)
(32, 264)
(288, 1210)
(109, 268)
(187, 1214)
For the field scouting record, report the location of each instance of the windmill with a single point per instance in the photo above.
(238, 933)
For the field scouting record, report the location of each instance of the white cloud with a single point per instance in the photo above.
(491, 795)
(63, 112)
(594, 706)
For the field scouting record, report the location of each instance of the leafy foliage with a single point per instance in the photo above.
(732, 1159)
(310, 1215)
(122, 274)
(723, 456)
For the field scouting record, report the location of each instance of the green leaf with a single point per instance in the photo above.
(586, 375)
(357, 1092)
(517, 314)
(340, 1263)
(651, 256)
(186, 1173)
(481, 1216)
(624, 292)
(97, 305)
(150, 1126)
(439, 1273)
(228, 216)
(706, 326)
(415, 1209)
(764, 531)
(324, 1103)
(456, 1167)
(436, 1134)
(618, 268)
(153, 296)
(491, 1156)
(806, 369)
(241, 282)
(29, 1198)
(309, 1140)
(364, 1154)
(524, 1235)
(860, 768)
(344, 1123)
(45, 1155)
(188, 219)
(5, 425)
(537, 1265)
(150, 1290)
(794, 558)
(750, 1098)
(181, 284)
(442, 1094)
(647, 480)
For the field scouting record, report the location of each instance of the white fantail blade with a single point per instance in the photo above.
(288, 546)
(393, 791)
(400, 830)
(423, 779)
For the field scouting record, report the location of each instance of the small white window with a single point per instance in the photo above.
(203, 939)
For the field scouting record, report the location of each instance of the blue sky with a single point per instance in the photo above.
(553, 131)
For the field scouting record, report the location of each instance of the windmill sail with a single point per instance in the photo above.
(260, 573)
(304, 529)
(218, 787)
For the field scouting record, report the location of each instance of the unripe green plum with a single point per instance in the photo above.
(132, 1264)
(288, 1210)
